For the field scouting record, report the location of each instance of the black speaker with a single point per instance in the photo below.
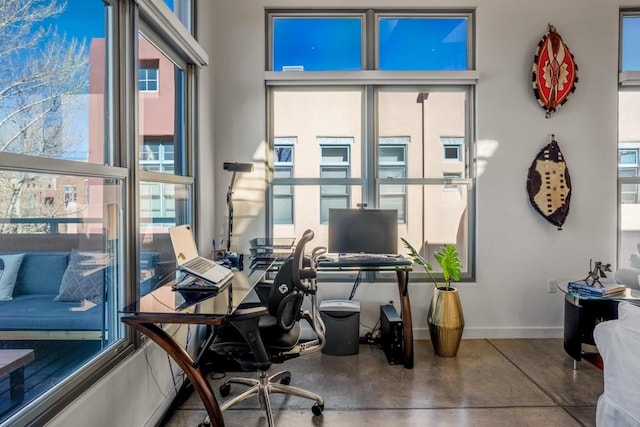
(391, 334)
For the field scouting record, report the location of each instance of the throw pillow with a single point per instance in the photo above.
(84, 277)
(9, 267)
(634, 261)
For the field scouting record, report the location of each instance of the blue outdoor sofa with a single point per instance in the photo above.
(34, 312)
(48, 295)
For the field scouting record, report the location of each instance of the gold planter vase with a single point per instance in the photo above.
(446, 321)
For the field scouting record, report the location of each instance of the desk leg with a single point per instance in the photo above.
(16, 385)
(405, 313)
(182, 358)
(572, 335)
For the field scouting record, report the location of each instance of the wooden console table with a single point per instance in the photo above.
(12, 363)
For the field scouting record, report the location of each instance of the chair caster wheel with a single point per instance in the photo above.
(317, 409)
(285, 381)
(225, 389)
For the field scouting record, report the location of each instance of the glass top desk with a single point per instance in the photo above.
(583, 312)
(164, 305)
(630, 295)
(402, 269)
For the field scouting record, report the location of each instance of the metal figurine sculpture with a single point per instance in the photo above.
(597, 273)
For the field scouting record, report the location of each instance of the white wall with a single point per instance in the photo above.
(136, 393)
(517, 250)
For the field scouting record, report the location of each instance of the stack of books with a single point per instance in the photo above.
(596, 290)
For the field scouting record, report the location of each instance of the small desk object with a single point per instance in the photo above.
(583, 312)
(165, 305)
(392, 264)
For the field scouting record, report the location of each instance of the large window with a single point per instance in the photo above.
(629, 138)
(372, 137)
(64, 220)
(165, 187)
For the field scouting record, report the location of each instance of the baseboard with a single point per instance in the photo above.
(480, 333)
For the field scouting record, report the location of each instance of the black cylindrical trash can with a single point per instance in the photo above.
(342, 322)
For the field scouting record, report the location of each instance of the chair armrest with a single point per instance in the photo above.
(242, 313)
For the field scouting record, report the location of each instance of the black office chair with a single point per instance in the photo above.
(257, 336)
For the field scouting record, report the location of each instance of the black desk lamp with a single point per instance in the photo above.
(233, 167)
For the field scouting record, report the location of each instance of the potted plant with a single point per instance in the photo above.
(445, 317)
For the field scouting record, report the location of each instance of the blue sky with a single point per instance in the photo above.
(320, 44)
(338, 46)
(631, 43)
(81, 19)
(85, 19)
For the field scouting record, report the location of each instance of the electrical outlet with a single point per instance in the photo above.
(552, 286)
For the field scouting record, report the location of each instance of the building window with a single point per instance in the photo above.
(334, 163)
(450, 176)
(148, 79)
(70, 193)
(628, 167)
(157, 157)
(283, 158)
(392, 164)
(400, 154)
(628, 138)
(452, 149)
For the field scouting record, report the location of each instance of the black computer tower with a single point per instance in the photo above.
(391, 334)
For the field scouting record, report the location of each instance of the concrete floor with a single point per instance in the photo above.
(491, 382)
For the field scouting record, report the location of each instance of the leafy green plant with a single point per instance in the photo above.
(448, 260)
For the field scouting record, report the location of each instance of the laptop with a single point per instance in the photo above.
(184, 246)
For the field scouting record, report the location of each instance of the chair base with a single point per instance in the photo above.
(263, 387)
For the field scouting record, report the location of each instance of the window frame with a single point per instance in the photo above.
(402, 217)
(329, 165)
(147, 80)
(285, 142)
(369, 80)
(468, 15)
(628, 81)
(120, 165)
(272, 15)
(447, 143)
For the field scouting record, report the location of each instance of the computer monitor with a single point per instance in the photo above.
(373, 231)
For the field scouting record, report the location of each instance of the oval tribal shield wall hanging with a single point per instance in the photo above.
(555, 72)
(549, 185)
